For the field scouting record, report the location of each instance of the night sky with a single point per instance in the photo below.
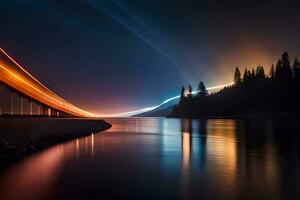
(110, 56)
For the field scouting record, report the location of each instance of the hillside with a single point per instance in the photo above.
(254, 94)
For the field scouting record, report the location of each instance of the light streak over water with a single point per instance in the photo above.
(36, 90)
(147, 109)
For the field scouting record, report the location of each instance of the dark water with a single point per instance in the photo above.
(157, 158)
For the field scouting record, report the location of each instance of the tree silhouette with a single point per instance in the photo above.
(247, 75)
(237, 76)
(252, 74)
(279, 71)
(272, 72)
(182, 97)
(202, 91)
(260, 72)
(296, 69)
(286, 67)
(190, 90)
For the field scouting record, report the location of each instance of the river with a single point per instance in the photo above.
(161, 158)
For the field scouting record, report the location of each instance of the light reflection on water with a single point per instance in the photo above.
(147, 158)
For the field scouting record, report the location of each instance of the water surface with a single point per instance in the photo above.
(159, 158)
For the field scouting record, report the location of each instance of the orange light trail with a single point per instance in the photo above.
(15, 62)
(33, 88)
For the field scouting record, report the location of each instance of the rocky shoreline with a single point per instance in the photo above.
(23, 136)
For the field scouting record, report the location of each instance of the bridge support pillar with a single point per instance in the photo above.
(49, 112)
(44, 110)
(30, 107)
(39, 109)
(21, 105)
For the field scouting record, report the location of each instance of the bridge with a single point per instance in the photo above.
(25, 95)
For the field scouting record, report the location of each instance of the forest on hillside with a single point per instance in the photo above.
(254, 93)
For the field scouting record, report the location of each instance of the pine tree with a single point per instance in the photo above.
(272, 72)
(278, 70)
(296, 69)
(237, 76)
(190, 90)
(182, 96)
(247, 75)
(286, 67)
(182, 92)
(202, 91)
(253, 76)
(260, 72)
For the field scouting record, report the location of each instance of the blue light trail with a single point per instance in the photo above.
(147, 109)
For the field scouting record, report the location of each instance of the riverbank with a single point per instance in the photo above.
(23, 136)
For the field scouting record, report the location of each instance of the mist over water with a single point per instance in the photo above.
(148, 158)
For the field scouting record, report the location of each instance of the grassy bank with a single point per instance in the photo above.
(22, 136)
